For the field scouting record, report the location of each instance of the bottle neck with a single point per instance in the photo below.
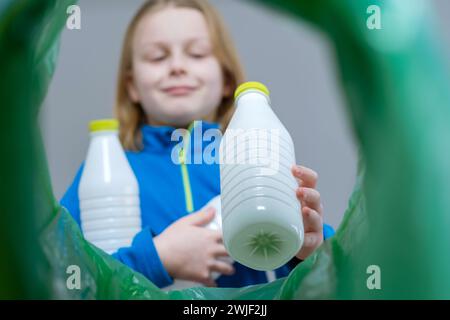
(252, 97)
(103, 133)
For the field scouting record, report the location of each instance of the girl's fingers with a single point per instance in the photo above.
(208, 283)
(310, 198)
(312, 221)
(200, 218)
(220, 251)
(215, 235)
(311, 241)
(222, 267)
(308, 177)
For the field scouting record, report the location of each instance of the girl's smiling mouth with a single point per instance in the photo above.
(179, 90)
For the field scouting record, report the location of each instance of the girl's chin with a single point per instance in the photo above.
(182, 109)
(182, 119)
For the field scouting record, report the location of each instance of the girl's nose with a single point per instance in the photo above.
(177, 65)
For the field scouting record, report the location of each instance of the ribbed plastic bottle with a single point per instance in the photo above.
(108, 191)
(261, 218)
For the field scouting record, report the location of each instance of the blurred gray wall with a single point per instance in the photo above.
(290, 57)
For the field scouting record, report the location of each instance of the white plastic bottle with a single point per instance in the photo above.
(261, 218)
(108, 191)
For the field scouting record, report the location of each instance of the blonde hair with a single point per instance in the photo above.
(131, 115)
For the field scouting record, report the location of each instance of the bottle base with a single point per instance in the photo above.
(264, 246)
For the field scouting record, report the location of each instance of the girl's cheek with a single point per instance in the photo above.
(211, 71)
(148, 74)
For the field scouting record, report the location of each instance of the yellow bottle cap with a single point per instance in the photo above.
(104, 125)
(251, 86)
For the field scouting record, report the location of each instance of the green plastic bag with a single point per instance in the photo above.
(398, 94)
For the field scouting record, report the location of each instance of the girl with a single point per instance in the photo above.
(178, 65)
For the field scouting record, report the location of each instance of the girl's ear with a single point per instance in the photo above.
(131, 88)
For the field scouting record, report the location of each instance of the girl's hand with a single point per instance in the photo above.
(189, 251)
(311, 210)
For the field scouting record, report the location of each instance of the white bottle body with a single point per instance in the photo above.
(262, 224)
(108, 194)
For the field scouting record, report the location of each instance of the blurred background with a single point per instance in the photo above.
(291, 58)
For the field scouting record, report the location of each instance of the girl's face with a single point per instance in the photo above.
(175, 76)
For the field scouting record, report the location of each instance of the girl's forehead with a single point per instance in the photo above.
(172, 23)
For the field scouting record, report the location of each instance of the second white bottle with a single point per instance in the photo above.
(108, 191)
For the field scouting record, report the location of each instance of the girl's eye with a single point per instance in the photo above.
(156, 58)
(198, 51)
(198, 54)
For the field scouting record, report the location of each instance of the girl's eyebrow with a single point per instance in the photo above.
(199, 40)
(162, 44)
(159, 44)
